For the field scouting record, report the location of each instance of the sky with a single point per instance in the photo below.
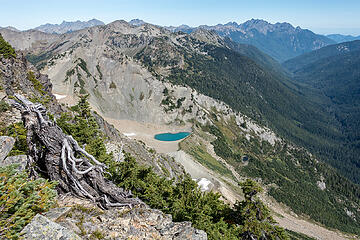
(320, 16)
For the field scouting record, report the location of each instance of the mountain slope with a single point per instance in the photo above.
(65, 27)
(148, 74)
(210, 67)
(311, 58)
(29, 39)
(281, 40)
(334, 75)
(10, 28)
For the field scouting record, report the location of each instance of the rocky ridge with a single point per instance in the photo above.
(66, 27)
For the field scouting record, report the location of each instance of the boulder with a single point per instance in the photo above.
(124, 223)
(41, 228)
(56, 213)
(19, 159)
(6, 144)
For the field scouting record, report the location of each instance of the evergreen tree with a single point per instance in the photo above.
(6, 50)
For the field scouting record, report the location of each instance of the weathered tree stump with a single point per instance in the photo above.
(57, 156)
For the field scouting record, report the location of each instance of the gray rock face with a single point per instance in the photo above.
(124, 223)
(56, 213)
(19, 159)
(156, 221)
(6, 144)
(137, 22)
(41, 228)
(28, 39)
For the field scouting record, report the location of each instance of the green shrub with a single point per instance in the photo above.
(112, 85)
(82, 125)
(21, 199)
(99, 71)
(37, 85)
(254, 217)
(6, 50)
(83, 66)
(4, 106)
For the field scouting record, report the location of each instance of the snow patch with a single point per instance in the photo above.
(204, 184)
(350, 214)
(129, 134)
(321, 185)
(59, 96)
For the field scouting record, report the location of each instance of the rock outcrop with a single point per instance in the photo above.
(18, 159)
(6, 144)
(139, 223)
(43, 229)
(82, 220)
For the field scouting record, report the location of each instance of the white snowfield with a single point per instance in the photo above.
(130, 134)
(59, 96)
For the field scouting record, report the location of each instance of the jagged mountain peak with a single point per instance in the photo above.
(234, 24)
(66, 27)
(254, 21)
(127, 28)
(137, 22)
(126, 69)
(11, 28)
(182, 28)
(264, 27)
(208, 36)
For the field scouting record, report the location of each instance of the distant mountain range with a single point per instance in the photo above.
(66, 27)
(342, 38)
(281, 41)
(11, 28)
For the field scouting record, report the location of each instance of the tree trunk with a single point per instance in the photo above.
(58, 157)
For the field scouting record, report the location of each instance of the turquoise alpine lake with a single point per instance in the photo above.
(171, 136)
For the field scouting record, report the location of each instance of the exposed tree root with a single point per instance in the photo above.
(59, 157)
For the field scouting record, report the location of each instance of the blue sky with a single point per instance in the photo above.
(317, 15)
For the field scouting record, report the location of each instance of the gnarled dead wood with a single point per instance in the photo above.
(52, 153)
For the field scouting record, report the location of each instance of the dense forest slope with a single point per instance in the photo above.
(333, 74)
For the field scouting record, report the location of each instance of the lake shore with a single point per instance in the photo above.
(146, 132)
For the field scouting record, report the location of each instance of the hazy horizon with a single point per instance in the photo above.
(322, 17)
